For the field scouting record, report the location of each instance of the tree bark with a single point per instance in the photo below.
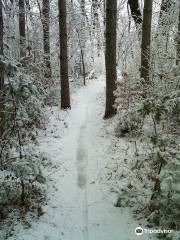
(1, 66)
(135, 11)
(146, 41)
(82, 38)
(1, 46)
(95, 16)
(104, 19)
(110, 56)
(22, 28)
(65, 95)
(162, 22)
(46, 37)
(83, 8)
(165, 5)
(178, 41)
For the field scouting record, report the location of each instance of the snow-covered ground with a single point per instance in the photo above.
(80, 207)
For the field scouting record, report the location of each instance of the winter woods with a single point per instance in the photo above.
(53, 50)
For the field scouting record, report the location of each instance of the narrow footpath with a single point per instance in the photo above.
(79, 206)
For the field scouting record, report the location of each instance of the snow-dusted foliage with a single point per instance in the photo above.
(146, 175)
(20, 165)
(151, 123)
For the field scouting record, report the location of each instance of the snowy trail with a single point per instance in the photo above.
(79, 207)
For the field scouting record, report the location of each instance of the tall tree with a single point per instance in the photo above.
(1, 65)
(135, 11)
(81, 39)
(96, 22)
(46, 38)
(165, 5)
(104, 18)
(83, 8)
(178, 40)
(1, 46)
(146, 41)
(163, 22)
(110, 56)
(22, 28)
(95, 5)
(65, 95)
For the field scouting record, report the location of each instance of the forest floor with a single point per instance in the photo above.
(80, 206)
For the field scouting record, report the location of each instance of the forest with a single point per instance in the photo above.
(89, 119)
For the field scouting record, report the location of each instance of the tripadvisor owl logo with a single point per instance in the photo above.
(139, 231)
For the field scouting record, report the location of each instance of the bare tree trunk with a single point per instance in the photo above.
(65, 95)
(96, 22)
(82, 56)
(162, 22)
(95, 16)
(1, 67)
(104, 17)
(165, 5)
(146, 41)
(22, 28)
(135, 11)
(178, 41)
(85, 17)
(46, 37)
(110, 56)
(81, 38)
(83, 8)
(83, 66)
(1, 46)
